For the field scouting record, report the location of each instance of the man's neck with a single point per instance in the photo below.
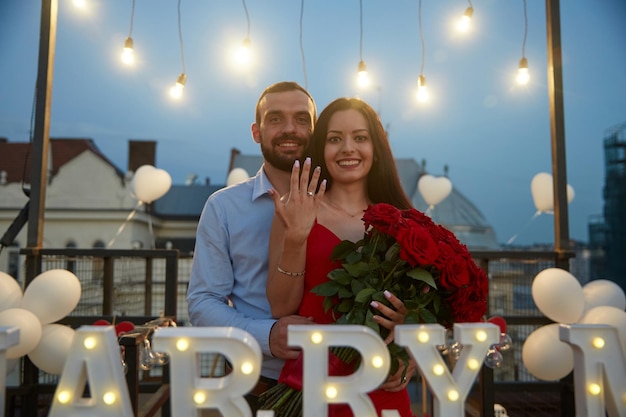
(280, 179)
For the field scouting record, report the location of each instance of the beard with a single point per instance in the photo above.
(283, 162)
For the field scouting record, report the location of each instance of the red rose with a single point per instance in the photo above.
(383, 217)
(418, 217)
(417, 247)
(468, 304)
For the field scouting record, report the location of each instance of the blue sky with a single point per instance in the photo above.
(493, 134)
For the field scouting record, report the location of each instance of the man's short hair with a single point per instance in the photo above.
(282, 87)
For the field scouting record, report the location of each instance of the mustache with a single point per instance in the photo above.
(288, 137)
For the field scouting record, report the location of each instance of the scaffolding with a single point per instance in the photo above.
(615, 203)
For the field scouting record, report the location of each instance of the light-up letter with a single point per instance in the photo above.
(599, 369)
(319, 389)
(9, 336)
(449, 390)
(93, 359)
(190, 392)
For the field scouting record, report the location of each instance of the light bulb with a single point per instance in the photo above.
(247, 368)
(64, 397)
(594, 389)
(80, 3)
(146, 356)
(363, 79)
(243, 54)
(317, 338)
(377, 361)
(473, 364)
(422, 91)
(494, 358)
(598, 342)
(464, 23)
(331, 392)
(128, 56)
(182, 344)
(522, 73)
(177, 90)
(455, 350)
(505, 342)
(89, 343)
(438, 370)
(199, 397)
(109, 398)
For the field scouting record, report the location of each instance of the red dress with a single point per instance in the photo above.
(320, 245)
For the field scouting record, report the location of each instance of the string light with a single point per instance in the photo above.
(464, 23)
(245, 53)
(523, 76)
(128, 55)
(362, 77)
(176, 91)
(422, 92)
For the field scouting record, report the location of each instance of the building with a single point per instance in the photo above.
(89, 201)
(607, 233)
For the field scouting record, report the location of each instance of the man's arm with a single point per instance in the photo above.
(212, 281)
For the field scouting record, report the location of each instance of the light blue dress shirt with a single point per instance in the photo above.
(231, 262)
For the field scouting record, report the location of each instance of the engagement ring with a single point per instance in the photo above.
(310, 193)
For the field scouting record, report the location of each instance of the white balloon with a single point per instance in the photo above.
(30, 330)
(52, 295)
(608, 315)
(51, 352)
(602, 292)
(150, 183)
(10, 292)
(542, 191)
(434, 189)
(558, 295)
(236, 175)
(545, 355)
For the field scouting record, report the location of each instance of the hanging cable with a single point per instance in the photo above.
(422, 92)
(523, 77)
(306, 83)
(243, 56)
(128, 56)
(245, 8)
(177, 90)
(362, 76)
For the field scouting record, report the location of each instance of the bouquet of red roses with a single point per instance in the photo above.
(406, 253)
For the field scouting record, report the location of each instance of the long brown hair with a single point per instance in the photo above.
(383, 182)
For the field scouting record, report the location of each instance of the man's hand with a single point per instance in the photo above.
(278, 337)
(397, 382)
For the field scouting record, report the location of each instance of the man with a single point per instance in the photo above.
(230, 264)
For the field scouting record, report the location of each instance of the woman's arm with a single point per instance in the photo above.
(294, 217)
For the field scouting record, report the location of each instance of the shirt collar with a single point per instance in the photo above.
(261, 184)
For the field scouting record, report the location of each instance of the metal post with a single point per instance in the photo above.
(557, 131)
(559, 175)
(39, 175)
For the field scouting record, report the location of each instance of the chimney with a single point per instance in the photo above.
(234, 152)
(141, 152)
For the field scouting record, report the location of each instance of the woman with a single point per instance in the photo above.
(358, 169)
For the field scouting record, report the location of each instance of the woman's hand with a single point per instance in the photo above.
(401, 378)
(297, 210)
(390, 317)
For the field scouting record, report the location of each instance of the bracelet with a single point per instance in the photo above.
(290, 274)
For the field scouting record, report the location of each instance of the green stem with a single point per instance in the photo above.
(388, 277)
